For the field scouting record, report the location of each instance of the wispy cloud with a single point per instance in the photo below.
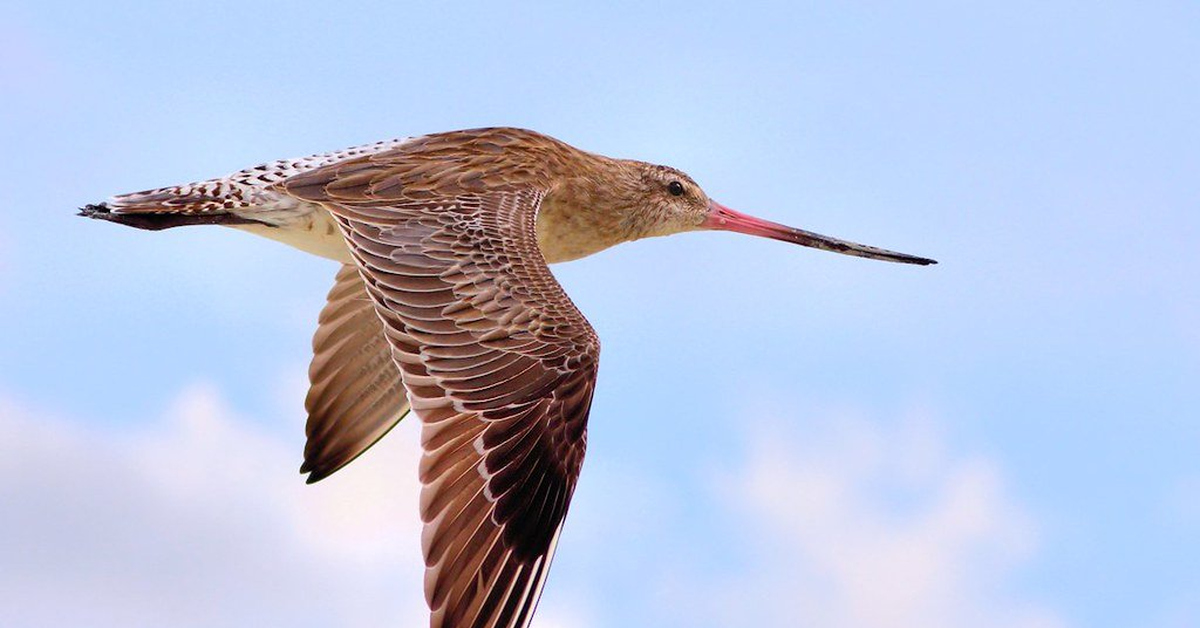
(201, 520)
(862, 525)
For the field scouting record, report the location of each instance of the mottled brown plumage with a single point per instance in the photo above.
(445, 296)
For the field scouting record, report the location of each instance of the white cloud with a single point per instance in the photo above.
(201, 520)
(865, 526)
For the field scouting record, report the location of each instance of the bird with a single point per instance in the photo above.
(444, 304)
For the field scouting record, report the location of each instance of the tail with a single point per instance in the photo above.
(205, 203)
(227, 200)
(158, 220)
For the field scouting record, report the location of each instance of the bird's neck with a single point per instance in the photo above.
(579, 218)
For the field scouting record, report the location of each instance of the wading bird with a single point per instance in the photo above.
(444, 304)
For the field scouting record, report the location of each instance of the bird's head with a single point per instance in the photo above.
(665, 201)
(662, 201)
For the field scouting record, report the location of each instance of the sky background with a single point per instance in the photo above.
(780, 436)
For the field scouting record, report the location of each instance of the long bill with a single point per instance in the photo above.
(722, 218)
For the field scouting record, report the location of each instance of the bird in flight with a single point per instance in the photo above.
(444, 305)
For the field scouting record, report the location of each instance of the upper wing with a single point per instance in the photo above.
(498, 364)
(355, 395)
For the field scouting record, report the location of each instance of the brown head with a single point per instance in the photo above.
(630, 200)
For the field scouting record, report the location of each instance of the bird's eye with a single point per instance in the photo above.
(675, 188)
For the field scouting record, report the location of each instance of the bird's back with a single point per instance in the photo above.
(279, 199)
(243, 189)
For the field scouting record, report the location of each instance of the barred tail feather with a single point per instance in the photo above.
(156, 219)
(245, 197)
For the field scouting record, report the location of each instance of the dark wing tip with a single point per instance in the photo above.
(316, 472)
(320, 464)
(314, 475)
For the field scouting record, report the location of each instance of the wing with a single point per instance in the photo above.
(355, 395)
(499, 365)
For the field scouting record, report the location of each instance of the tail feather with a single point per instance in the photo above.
(245, 197)
(156, 219)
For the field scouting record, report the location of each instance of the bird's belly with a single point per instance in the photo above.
(314, 232)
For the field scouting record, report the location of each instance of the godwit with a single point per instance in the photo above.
(444, 295)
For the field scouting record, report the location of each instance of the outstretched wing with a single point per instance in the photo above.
(498, 364)
(355, 395)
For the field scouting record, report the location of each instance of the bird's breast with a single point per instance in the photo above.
(569, 235)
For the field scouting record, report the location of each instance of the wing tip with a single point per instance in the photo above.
(313, 478)
(315, 473)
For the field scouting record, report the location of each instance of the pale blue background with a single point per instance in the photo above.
(1047, 153)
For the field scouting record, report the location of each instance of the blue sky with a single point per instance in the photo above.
(780, 435)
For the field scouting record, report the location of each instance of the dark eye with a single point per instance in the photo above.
(675, 188)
